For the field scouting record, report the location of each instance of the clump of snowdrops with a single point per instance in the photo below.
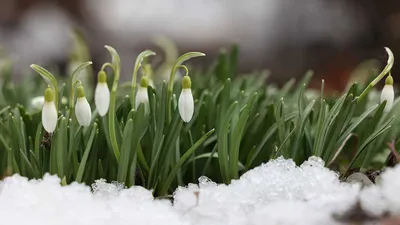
(161, 134)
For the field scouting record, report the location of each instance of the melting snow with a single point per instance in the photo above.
(278, 192)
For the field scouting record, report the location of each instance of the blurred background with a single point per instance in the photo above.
(288, 37)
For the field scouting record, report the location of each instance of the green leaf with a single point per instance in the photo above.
(172, 134)
(326, 126)
(61, 148)
(303, 83)
(222, 133)
(49, 78)
(341, 120)
(123, 165)
(153, 166)
(355, 124)
(5, 109)
(372, 137)
(28, 163)
(85, 156)
(111, 112)
(237, 137)
(300, 132)
(188, 153)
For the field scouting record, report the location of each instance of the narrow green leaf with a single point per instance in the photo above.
(61, 144)
(153, 166)
(300, 131)
(254, 153)
(386, 126)
(5, 109)
(85, 156)
(49, 78)
(123, 165)
(237, 137)
(222, 134)
(172, 174)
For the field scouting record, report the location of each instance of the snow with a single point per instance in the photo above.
(278, 192)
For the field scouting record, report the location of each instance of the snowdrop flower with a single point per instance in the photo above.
(102, 94)
(387, 93)
(149, 74)
(37, 102)
(186, 103)
(82, 108)
(49, 111)
(141, 96)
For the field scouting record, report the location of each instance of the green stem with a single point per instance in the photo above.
(138, 63)
(385, 71)
(74, 81)
(177, 65)
(103, 67)
(111, 112)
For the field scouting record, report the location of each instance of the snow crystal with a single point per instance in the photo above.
(46, 202)
(277, 192)
(280, 182)
(384, 197)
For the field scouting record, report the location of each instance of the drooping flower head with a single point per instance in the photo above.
(49, 111)
(102, 94)
(149, 74)
(141, 96)
(387, 93)
(83, 112)
(186, 102)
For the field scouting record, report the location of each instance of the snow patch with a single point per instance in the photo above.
(278, 192)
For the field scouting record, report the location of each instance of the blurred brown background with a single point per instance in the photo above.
(286, 36)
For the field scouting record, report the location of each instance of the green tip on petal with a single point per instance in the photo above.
(80, 92)
(389, 80)
(186, 82)
(102, 77)
(144, 82)
(48, 95)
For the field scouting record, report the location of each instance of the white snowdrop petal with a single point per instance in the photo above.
(49, 116)
(83, 112)
(141, 97)
(102, 98)
(37, 102)
(186, 105)
(388, 95)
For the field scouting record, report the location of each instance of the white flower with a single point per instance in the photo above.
(102, 94)
(83, 112)
(186, 102)
(142, 97)
(37, 102)
(49, 111)
(387, 94)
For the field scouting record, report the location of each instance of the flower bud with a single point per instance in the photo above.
(186, 102)
(102, 94)
(149, 74)
(142, 96)
(387, 93)
(49, 111)
(37, 102)
(83, 112)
